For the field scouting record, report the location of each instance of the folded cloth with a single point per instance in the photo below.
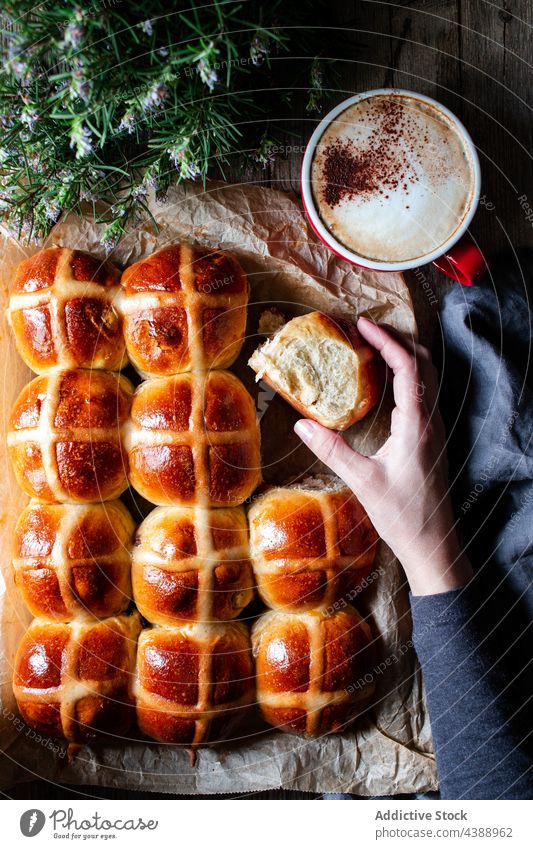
(487, 402)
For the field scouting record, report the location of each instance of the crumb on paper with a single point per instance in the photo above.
(270, 321)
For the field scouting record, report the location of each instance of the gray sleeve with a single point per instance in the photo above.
(479, 721)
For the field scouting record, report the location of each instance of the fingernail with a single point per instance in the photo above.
(305, 429)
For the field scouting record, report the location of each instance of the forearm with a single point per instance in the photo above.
(436, 565)
(433, 560)
(474, 712)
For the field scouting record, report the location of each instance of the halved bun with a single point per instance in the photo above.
(323, 367)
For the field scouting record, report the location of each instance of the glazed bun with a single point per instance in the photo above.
(75, 680)
(191, 564)
(311, 669)
(184, 308)
(63, 314)
(323, 367)
(73, 560)
(194, 439)
(64, 436)
(310, 544)
(195, 683)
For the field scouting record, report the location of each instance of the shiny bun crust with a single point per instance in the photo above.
(323, 367)
(63, 314)
(74, 680)
(64, 436)
(184, 308)
(191, 564)
(309, 547)
(311, 669)
(195, 683)
(194, 439)
(74, 561)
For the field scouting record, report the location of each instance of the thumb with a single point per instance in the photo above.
(353, 468)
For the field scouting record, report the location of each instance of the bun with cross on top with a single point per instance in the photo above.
(194, 439)
(311, 544)
(311, 669)
(74, 560)
(65, 439)
(184, 308)
(63, 311)
(74, 680)
(194, 683)
(192, 564)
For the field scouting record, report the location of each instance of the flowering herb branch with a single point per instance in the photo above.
(100, 102)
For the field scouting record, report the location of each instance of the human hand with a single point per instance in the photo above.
(404, 486)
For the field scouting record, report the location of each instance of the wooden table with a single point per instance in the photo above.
(474, 56)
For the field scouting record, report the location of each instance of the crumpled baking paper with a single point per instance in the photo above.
(389, 750)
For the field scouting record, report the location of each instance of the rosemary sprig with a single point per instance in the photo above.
(103, 101)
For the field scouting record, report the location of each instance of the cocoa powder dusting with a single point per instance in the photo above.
(382, 166)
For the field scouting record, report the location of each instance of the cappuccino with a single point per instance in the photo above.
(392, 178)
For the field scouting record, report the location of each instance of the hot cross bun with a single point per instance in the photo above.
(194, 683)
(194, 439)
(184, 308)
(64, 436)
(310, 544)
(314, 671)
(192, 564)
(74, 560)
(63, 314)
(74, 680)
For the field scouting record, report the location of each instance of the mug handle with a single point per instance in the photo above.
(463, 263)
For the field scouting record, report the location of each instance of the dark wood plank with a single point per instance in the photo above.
(362, 31)
(495, 49)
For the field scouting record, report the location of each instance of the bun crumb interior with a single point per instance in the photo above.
(323, 367)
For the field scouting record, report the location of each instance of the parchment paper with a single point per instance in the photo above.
(389, 751)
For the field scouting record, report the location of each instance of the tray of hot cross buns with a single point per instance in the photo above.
(191, 603)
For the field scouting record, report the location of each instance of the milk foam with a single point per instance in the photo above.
(408, 182)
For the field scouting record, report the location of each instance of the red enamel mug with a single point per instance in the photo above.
(458, 257)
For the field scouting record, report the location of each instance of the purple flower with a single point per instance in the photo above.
(30, 118)
(52, 210)
(184, 163)
(74, 35)
(19, 69)
(258, 51)
(81, 141)
(156, 96)
(127, 122)
(139, 191)
(208, 75)
(79, 86)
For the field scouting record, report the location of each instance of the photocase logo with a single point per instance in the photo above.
(32, 822)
